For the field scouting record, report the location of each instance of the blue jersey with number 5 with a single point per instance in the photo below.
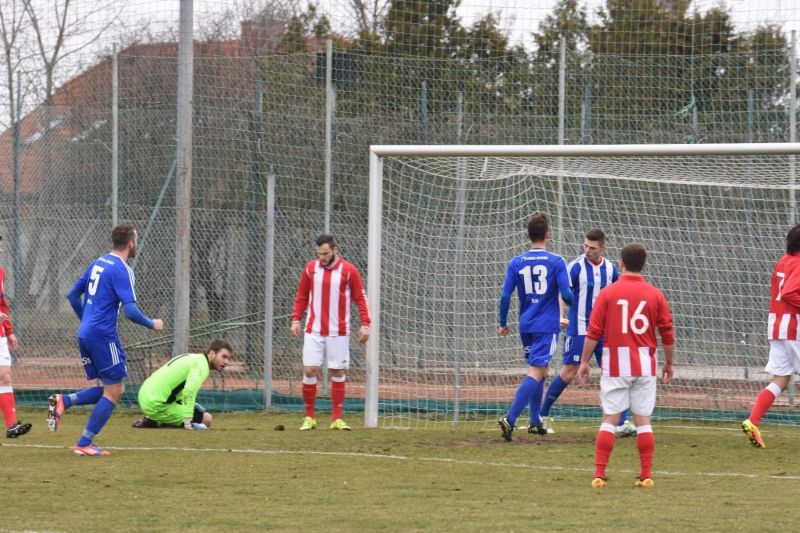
(539, 277)
(106, 285)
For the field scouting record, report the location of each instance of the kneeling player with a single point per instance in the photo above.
(167, 397)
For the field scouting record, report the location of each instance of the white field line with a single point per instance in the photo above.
(393, 457)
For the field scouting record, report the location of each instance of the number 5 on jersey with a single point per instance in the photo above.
(94, 279)
(638, 323)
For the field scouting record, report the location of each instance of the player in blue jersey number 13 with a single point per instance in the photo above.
(539, 277)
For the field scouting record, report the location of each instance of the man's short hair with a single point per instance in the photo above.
(217, 345)
(595, 234)
(538, 227)
(121, 235)
(326, 238)
(793, 240)
(633, 257)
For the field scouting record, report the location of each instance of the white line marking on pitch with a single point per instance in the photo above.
(401, 458)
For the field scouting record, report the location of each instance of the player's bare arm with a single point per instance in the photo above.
(502, 331)
(666, 370)
(589, 346)
(158, 324)
(294, 329)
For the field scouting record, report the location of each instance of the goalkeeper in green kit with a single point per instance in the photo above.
(167, 397)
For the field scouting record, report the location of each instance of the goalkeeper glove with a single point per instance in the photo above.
(196, 425)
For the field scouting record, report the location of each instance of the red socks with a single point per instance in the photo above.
(8, 406)
(603, 447)
(763, 402)
(337, 398)
(309, 398)
(646, 442)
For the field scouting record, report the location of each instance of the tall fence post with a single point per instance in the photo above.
(114, 137)
(269, 283)
(330, 97)
(792, 160)
(183, 182)
(562, 114)
(458, 282)
(17, 205)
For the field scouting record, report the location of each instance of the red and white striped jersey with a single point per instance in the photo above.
(326, 293)
(784, 299)
(626, 314)
(5, 326)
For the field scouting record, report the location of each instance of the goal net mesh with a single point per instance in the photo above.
(713, 226)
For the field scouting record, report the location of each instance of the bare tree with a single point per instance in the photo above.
(66, 35)
(13, 27)
(369, 15)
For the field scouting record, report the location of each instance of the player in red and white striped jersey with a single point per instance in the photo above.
(8, 341)
(783, 333)
(328, 287)
(627, 314)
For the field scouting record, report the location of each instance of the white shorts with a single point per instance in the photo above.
(784, 357)
(336, 349)
(638, 393)
(5, 355)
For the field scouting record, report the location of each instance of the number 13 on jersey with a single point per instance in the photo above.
(539, 286)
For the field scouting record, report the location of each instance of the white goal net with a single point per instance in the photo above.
(442, 229)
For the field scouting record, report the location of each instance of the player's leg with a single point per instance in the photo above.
(59, 403)
(109, 358)
(526, 389)
(784, 359)
(643, 401)
(573, 346)
(614, 398)
(202, 416)
(8, 404)
(542, 351)
(313, 352)
(337, 350)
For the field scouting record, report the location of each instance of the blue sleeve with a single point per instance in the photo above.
(76, 292)
(134, 315)
(614, 274)
(563, 283)
(574, 276)
(505, 295)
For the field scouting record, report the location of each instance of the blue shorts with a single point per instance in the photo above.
(103, 360)
(539, 347)
(573, 349)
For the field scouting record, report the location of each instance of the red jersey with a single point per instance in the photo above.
(326, 292)
(784, 299)
(626, 314)
(5, 326)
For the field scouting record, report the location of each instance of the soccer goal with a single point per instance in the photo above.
(445, 220)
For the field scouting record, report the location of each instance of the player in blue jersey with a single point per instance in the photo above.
(538, 276)
(96, 297)
(587, 275)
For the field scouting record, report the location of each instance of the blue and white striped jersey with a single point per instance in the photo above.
(586, 280)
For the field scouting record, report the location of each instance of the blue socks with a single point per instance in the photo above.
(525, 394)
(623, 417)
(100, 415)
(83, 397)
(555, 389)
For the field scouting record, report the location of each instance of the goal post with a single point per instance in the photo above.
(700, 209)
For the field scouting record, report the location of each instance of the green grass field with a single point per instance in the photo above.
(243, 475)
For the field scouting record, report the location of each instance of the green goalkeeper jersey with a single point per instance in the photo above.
(176, 382)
